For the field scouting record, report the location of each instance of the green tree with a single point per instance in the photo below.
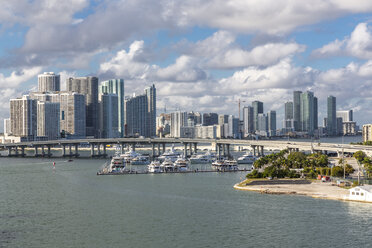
(359, 155)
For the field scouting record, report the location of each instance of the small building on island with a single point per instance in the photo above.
(361, 193)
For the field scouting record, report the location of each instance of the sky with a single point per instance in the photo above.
(202, 55)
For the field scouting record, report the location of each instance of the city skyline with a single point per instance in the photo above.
(193, 58)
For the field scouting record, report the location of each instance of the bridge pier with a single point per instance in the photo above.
(153, 150)
(134, 147)
(76, 150)
(16, 151)
(219, 151)
(99, 149)
(159, 149)
(228, 150)
(42, 151)
(190, 148)
(262, 151)
(195, 148)
(163, 147)
(49, 153)
(9, 151)
(254, 150)
(63, 150)
(122, 148)
(92, 150)
(185, 150)
(23, 151)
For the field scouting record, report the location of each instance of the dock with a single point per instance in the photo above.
(100, 173)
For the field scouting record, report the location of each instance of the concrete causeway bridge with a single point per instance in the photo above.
(70, 148)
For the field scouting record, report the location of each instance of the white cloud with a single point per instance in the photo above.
(16, 78)
(358, 44)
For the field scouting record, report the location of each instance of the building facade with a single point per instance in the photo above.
(257, 109)
(87, 86)
(307, 112)
(297, 110)
(331, 116)
(150, 92)
(367, 132)
(178, 120)
(248, 120)
(136, 115)
(48, 119)
(115, 86)
(48, 82)
(109, 116)
(23, 117)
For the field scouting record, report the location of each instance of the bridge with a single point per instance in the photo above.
(70, 148)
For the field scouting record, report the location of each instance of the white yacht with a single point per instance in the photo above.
(117, 165)
(224, 165)
(129, 155)
(155, 167)
(168, 165)
(170, 155)
(181, 164)
(248, 158)
(206, 158)
(140, 160)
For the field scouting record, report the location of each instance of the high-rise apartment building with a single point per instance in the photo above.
(48, 119)
(297, 110)
(257, 109)
(48, 82)
(178, 120)
(271, 122)
(210, 119)
(307, 112)
(89, 87)
(223, 119)
(331, 116)
(367, 132)
(262, 126)
(315, 113)
(23, 117)
(288, 110)
(136, 115)
(116, 86)
(72, 111)
(108, 116)
(151, 119)
(346, 115)
(7, 127)
(248, 120)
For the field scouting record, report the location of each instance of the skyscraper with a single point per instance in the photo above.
(248, 120)
(331, 116)
(116, 86)
(136, 114)
(48, 115)
(108, 116)
(151, 119)
(271, 122)
(23, 117)
(48, 82)
(346, 115)
(178, 120)
(89, 87)
(315, 113)
(288, 110)
(257, 109)
(307, 112)
(262, 123)
(210, 119)
(297, 110)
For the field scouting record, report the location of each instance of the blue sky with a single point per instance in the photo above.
(202, 55)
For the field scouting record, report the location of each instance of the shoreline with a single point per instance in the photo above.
(320, 190)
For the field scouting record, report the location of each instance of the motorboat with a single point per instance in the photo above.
(206, 158)
(248, 158)
(169, 155)
(140, 160)
(168, 165)
(181, 164)
(117, 165)
(129, 156)
(224, 165)
(155, 167)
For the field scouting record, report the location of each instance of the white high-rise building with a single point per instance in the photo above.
(48, 120)
(7, 126)
(178, 120)
(346, 115)
(23, 114)
(48, 82)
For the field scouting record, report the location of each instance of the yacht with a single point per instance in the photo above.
(155, 167)
(181, 164)
(140, 160)
(170, 155)
(202, 158)
(225, 165)
(129, 155)
(117, 165)
(168, 165)
(247, 159)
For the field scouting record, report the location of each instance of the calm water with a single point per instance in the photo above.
(72, 207)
